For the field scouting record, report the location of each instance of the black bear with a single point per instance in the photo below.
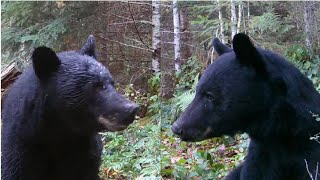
(251, 90)
(52, 115)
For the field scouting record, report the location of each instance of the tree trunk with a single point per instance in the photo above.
(167, 79)
(248, 18)
(244, 20)
(315, 23)
(307, 23)
(185, 36)
(239, 17)
(221, 23)
(176, 31)
(156, 41)
(233, 19)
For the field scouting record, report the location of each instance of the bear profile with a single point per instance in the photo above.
(52, 115)
(254, 91)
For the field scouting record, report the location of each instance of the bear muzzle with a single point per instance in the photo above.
(119, 121)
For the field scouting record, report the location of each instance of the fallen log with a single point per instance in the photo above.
(8, 76)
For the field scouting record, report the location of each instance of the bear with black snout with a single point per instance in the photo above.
(52, 115)
(251, 90)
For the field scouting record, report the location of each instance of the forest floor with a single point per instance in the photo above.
(143, 150)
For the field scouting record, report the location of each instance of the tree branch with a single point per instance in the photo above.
(135, 26)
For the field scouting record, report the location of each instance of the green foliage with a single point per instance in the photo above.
(187, 81)
(29, 24)
(203, 21)
(307, 62)
(186, 77)
(154, 84)
(184, 99)
(154, 99)
(268, 29)
(268, 22)
(298, 53)
(209, 159)
(133, 153)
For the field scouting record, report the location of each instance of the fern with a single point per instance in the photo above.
(183, 100)
(135, 152)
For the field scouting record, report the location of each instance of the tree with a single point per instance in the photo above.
(184, 35)
(167, 63)
(176, 31)
(239, 16)
(156, 39)
(248, 18)
(307, 23)
(233, 19)
(221, 22)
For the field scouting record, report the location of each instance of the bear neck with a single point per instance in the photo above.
(287, 125)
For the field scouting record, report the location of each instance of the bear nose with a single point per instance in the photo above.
(132, 108)
(178, 131)
(135, 109)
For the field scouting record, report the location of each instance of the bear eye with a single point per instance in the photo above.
(100, 86)
(112, 83)
(209, 96)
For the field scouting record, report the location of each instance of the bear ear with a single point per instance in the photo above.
(89, 48)
(246, 53)
(219, 47)
(45, 62)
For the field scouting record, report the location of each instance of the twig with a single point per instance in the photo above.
(142, 22)
(135, 26)
(128, 45)
(308, 169)
(139, 3)
(316, 176)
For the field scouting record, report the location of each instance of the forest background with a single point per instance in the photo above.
(156, 51)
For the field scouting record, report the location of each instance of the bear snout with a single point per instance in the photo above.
(176, 129)
(131, 108)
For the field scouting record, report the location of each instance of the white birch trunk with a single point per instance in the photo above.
(221, 23)
(233, 19)
(176, 31)
(306, 9)
(156, 38)
(244, 20)
(239, 17)
(248, 20)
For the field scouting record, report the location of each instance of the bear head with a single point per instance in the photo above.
(79, 91)
(241, 89)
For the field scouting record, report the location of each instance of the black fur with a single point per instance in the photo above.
(258, 92)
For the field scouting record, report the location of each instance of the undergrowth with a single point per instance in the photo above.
(132, 154)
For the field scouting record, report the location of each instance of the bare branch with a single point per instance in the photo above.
(310, 174)
(139, 3)
(316, 176)
(136, 26)
(128, 45)
(143, 22)
(308, 170)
